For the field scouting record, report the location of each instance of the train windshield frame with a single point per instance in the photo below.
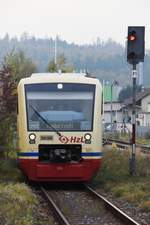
(66, 106)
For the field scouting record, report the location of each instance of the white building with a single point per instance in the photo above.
(142, 107)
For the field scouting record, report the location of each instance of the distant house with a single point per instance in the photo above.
(142, 107)
(112, 108)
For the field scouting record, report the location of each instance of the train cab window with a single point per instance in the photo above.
(69, 108)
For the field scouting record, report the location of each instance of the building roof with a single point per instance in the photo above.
(139, 97)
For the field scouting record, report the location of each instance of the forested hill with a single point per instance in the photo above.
(106, 60)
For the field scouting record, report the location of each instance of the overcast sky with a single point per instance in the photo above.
(79, 21)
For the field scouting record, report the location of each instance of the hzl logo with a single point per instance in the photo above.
(65, 140)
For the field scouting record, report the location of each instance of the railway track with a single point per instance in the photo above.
(116, 211)
(124, 144)
(84, 206)
(58, 213)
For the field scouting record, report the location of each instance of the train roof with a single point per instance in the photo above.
(57, 74)
(59, 77)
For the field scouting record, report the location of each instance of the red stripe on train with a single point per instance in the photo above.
(82, 171)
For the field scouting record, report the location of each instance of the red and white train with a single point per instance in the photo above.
(59, 127)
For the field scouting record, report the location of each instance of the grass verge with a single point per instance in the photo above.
(114, 176)
(18, 204)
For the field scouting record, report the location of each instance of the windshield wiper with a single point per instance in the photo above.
(45, 121)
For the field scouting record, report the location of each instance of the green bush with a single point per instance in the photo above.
(7, 137)
(119, 191)
(9, 171)
(143, 166)
(115, 166)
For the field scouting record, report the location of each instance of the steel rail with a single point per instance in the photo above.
(110, 140)
(59, 215)
(115, 210)
(144, 149)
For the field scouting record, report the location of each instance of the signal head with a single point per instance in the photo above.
(135, 44)
(132, 36)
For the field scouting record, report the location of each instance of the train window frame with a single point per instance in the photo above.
(56, 83)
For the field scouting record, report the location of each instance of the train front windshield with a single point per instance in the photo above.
(67, 107)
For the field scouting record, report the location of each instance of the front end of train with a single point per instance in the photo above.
(59, 127)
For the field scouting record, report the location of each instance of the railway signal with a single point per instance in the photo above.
(135, 54)
(135, 44)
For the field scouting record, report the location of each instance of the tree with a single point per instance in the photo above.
(8, 102)
(127, 92)
(61, 65)
(21, 66)
(14, 67)
(52, 67)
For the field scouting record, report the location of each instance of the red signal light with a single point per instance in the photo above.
(132, 37)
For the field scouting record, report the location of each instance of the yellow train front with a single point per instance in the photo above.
(59, 127)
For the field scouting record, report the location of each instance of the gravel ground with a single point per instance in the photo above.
(143, 218)
(81, 209)
(84, 211)
(43, 214)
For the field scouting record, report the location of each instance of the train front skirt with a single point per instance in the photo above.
(70, 171)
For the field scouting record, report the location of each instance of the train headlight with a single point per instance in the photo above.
(60, 86)
(87, 137)
(32, 137)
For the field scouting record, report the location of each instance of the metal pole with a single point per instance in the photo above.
(133, 159)
(56, 50)
(141, 73)
(111, 107)
(103, 115)
(103, 98)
